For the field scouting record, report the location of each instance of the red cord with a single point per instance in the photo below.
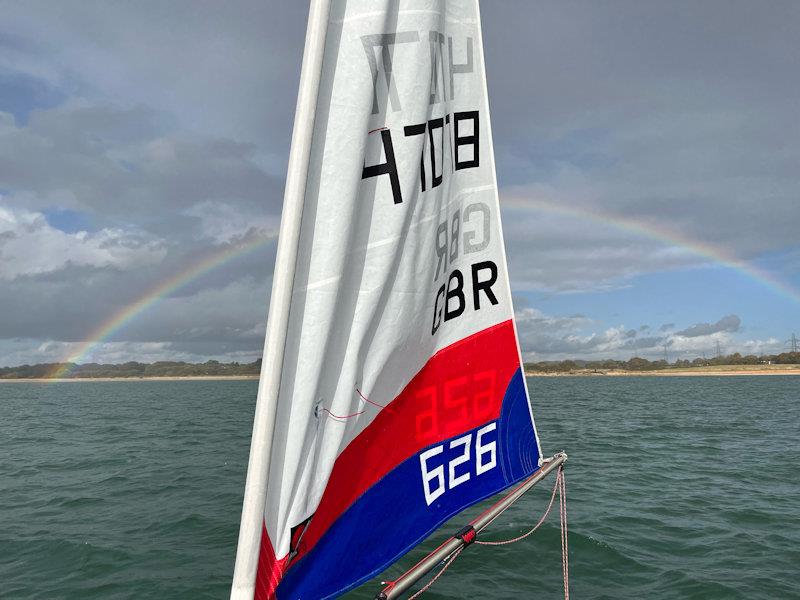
(340, 417)
(363, 397)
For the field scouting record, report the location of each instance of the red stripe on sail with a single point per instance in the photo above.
(459, 388)
(270, 570)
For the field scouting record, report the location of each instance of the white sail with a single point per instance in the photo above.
(392, 395)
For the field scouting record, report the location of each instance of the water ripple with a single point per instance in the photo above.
(133, 490)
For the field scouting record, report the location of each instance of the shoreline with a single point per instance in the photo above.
(110, 379)
(699, 372)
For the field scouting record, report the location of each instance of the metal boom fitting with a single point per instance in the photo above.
(465, 536)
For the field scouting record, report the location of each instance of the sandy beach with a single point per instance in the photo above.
(107, 379)
(715, 371)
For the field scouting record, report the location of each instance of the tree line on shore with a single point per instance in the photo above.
(642, 364)
(211, 368)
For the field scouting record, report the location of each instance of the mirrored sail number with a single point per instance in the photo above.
(455, 404)
(447, 466)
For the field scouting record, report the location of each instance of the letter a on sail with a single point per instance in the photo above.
(391, 395)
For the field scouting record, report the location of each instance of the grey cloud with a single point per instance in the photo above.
(549, 337)
(556, 253)
(667, 327)
(118, 175)
(32, 351)
(228, 302)
(32, 246)
(172, 129)
(609, 343)
(176, 127)
(519, 301)
(175, 197)
(729, 323)
(554, 337)
(677, 116)
(228, 69)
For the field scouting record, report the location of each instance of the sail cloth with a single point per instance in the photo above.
(401, 398)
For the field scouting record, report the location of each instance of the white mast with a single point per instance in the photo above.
(244, 574)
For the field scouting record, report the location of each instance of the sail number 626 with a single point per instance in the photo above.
(438, 478)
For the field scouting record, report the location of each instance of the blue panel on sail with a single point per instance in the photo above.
(392, 516)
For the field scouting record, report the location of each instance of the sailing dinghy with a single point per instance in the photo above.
(392, 394)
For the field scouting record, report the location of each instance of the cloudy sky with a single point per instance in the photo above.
(648, 157)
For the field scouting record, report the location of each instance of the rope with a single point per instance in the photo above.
(449, 562)
(562, 495)
(365, 399)
(560, 487)
(340, 417)
(391, 583)
(535, 527)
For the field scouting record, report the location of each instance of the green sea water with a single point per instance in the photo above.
(677, 488)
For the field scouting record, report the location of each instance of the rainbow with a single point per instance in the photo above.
(129, 312)
(662, 234)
